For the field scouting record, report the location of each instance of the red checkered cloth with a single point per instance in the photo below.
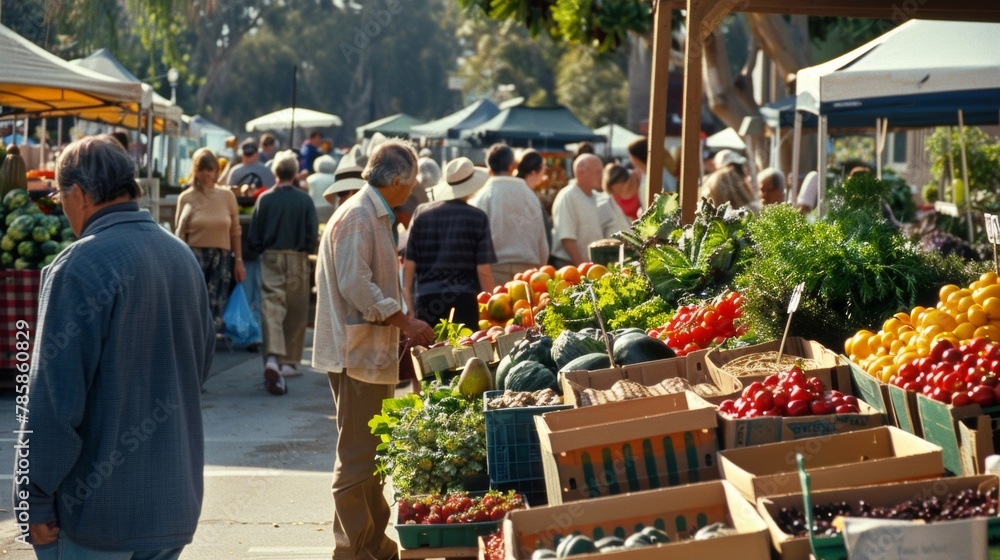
(18, 301)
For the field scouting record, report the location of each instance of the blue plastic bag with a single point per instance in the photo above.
(239, 323)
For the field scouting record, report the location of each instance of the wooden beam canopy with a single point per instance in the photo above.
(705, 15)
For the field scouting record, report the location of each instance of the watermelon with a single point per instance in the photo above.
(21, 227)
(6, 260)
(49, 259)
(52, 223)
(9, 218)
(33, 209)
(40, 234)
(21, 264)
(8, 243)
(67, 234)
(49, 247)
(15, 199)
(29, 250)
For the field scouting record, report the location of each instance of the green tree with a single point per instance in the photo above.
(595, 87)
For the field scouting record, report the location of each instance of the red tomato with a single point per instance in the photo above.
(941, 395)
(962, 398)
(820, 407)
(797, 408)
(982, 395)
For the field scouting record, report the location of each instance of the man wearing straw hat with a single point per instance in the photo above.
(347, 178)
(450, 250)
(359, 319)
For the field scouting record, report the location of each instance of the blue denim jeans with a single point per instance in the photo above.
(65, 549)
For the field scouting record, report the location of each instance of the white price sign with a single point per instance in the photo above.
(793, 304)
(993, 228)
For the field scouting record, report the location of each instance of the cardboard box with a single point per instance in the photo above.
(691, 367)
(905, 411)
(866, 457)
(833, 373)
(744, 432)
(798, 548)
(967, 434)
(678, 511)
(505, 342)
(872, 391)
(427, 361)
(627, 446)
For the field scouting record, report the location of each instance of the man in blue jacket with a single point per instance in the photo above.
(112, 427)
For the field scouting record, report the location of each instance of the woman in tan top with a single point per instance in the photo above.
(208, 221)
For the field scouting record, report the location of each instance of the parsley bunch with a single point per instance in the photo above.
(429, 444)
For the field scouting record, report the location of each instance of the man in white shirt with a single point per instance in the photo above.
(582, 214)
(516, 220)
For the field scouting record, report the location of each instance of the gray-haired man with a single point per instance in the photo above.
(123, 342)
(358, 322)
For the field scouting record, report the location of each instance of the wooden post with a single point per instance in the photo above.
(658, 100)
(694, 47)
(703, 16)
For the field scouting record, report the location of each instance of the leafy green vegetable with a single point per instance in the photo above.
(856, 267)
(701, 255)
(452, 332)
(428, 445)
(624, 297)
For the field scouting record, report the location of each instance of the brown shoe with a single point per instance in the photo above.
(274, 382)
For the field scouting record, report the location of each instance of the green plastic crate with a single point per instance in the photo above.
(444, 534)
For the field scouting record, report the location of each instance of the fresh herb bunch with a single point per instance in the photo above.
(445, 330)
(624, 297)
(857, 269)
(429, 444)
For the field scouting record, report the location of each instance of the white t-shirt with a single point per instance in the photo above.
(809, 191)
(517, 224)
(575, 216)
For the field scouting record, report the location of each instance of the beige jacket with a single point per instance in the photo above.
(357, 288)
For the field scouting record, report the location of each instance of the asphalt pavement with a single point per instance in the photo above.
(268, 465)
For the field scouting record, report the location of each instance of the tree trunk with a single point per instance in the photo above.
(786, 45)
(731, 99)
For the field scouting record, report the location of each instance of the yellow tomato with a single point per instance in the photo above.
(965, 331)
(985, 293)
(992, 306)
(891, 325)
(977, 316)
(991, 332)
(988, 278)
(903, 317)
(946, 291)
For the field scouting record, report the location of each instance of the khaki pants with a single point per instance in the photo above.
(503, 273)
(360, 512)
(284, 287)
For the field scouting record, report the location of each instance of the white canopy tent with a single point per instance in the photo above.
(102, 61)
(34, 81)
(289, 117)
(618, 137)
(727, 139)
(923, 73)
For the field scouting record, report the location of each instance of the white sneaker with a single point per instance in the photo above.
(290, 370)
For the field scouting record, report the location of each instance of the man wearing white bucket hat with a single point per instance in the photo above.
(347, 178)
(450, 250)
